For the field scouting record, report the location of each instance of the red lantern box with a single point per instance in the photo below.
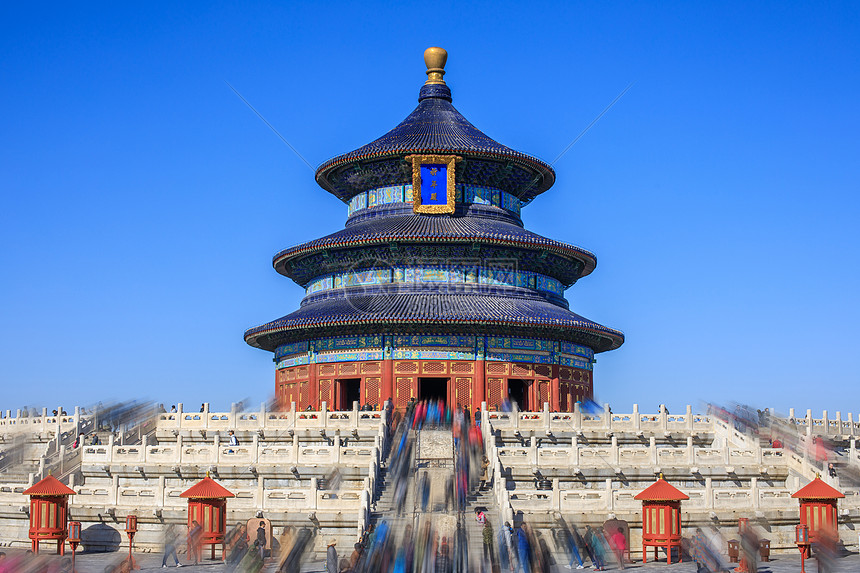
(49, 512)
(661, 518)
(818, 507)
(207, 505)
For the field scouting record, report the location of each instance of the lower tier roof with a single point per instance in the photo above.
(453, 313)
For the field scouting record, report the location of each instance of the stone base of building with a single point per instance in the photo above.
(458, 382)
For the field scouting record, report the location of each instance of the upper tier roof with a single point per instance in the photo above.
(435, 127)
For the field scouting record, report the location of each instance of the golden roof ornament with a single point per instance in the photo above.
(434, 59)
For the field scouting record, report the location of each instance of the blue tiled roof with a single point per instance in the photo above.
(420, 228)
(435, 127)
(445, 310)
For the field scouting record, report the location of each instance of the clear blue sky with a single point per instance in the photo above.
(142, 201)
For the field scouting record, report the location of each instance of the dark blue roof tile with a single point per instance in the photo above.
(438, 229)
(427, 310)
(435, 127)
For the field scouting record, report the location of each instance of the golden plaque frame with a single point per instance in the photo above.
(451, 162)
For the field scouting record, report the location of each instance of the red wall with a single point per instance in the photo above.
(470, 382)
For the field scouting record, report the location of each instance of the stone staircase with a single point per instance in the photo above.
(485, 501)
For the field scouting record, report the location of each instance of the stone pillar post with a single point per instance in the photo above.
(313, 493)
(754, 492)
(260, 502)
(689, 418)
(709, 493)
(610, 499)
(690, 453)
(607, 418)
(637, 420)
(652, 449)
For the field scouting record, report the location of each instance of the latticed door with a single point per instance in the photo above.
(325, 393)
(403, 392)
(542, 394)
(496, 392)
(371, 391)
(463, 391)
(304, 394)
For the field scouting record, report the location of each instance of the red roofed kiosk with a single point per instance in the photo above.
(661, 518)
(818, 507)
(207, 505)
(49, 512)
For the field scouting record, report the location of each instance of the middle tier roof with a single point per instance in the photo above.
(449, 230)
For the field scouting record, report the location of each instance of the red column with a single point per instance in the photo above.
(313, 387)
(387, 389)
(479, 381)
(554, 397)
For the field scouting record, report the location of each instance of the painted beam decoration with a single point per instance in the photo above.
(434, 176)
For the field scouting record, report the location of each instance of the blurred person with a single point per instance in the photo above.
(331, 557)
(750, 549)
(824, 550)
(195, 535)
(619, 544)
(487, 534)
(443, 559)
(595, 545)
(573, 549)
(355, 560)
(285, 544)
(170, 546)
(485, 470)
(523, 549)
(237, 545)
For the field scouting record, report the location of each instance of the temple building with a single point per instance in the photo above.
(434, 289)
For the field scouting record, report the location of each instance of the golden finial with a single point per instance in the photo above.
(435, 59)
